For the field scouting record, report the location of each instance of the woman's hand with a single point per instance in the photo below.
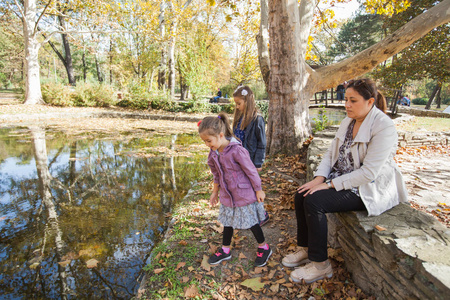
(259, 169)
(260, 195)
(322, 186)
(313, 185)
(214, 199)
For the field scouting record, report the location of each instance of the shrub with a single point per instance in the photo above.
(193, 106)
(87, 94)
(162, 100)
(228, 90)
(263, 107)
(321, 122)
(57, 94)
(137, 97)
(259, 89)
(84, 94)
(215, 109)
(420, 101)
(446, 101)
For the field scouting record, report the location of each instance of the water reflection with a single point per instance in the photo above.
(334, 116)
(66, 203)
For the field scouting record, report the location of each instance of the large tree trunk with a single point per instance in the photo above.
(288, 123)
(262, 40)
(33, 94)
(292, 82)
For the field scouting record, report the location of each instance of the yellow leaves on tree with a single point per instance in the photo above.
(388, 8)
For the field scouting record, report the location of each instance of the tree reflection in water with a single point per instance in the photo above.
(65, 201)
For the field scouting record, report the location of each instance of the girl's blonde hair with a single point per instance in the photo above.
(215, 125)
(250, 110)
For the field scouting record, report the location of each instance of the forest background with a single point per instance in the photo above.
(153, 52)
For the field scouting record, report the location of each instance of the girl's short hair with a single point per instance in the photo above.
(215, 125)
(250, 109)
(367, 88)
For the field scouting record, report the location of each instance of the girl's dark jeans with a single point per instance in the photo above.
(312, 228)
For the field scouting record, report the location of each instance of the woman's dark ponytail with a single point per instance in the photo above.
(380, 102)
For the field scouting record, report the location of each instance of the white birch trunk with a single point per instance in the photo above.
(171, 54)
(33, 94)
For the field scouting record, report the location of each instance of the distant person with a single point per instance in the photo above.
(215, 99)
(340, 91)
(404, 101)
(239, 185)
(357, 173)
(250, 129)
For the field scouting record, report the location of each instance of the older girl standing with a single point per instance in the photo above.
(249, 127)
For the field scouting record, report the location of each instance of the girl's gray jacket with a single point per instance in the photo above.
(238, 178)
(255, 140)
(377, 176)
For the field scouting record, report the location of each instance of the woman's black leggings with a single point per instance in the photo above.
(228, 234)
(312, 226)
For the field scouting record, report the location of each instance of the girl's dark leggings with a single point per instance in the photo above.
(228, 234)
(312, 226)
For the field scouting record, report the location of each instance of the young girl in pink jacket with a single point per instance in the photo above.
(236, 184)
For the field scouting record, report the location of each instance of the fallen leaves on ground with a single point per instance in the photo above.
(441, 213)
(237, 278)
(254, 284)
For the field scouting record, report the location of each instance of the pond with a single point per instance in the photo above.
(79, 215)
(334, 116)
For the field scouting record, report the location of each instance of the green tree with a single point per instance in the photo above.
(11, 52)
(425, 58)
(357, 34)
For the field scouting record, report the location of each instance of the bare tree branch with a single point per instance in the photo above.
(40, 17)
(19, 8)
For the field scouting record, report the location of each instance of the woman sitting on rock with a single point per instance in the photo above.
(357, 172)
